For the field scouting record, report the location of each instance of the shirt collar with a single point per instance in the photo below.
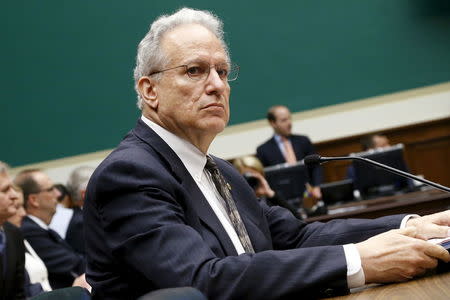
(193, 159)
(38, 221)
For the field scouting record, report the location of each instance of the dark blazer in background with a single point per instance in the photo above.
(150, 227)
(12, 282)
(62, 262)
(75, 231)
(270, 154)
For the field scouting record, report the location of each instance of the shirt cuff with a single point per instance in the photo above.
(355, 273)
(406, 219)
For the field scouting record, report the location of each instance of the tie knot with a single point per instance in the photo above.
(210, 164)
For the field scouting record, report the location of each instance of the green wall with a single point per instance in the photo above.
(66, 78)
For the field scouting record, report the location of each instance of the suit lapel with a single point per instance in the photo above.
(277, 154)
(196, 198)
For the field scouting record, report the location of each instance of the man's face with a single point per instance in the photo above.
(8, 196)
(47, 195)
(380, 141)
(17, 218)
(283, 123)
(186, 107)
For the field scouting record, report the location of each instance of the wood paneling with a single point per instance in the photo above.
(427, 150)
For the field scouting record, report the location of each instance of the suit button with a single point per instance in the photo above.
(329, 292)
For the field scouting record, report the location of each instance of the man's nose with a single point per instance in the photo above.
(215, 84)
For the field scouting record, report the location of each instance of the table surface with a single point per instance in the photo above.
(433, 287)
(420, 202)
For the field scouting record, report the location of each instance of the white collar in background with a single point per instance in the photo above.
(38, 221)
(193, 159)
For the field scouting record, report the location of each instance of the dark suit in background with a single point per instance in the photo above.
(12, 279)
(62, 262)
(150, 227)
(270, 154)
(75, 231)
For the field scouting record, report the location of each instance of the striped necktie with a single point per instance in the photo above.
(223, 188)
(289, 153)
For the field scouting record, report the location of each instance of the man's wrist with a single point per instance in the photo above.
(355, 272)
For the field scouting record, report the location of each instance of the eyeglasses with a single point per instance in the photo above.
(200, 71)
(48, 190)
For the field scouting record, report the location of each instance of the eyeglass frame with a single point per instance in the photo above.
(232, 67)
(48, 190)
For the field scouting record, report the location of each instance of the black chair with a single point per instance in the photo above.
(181, 293)
(70, 293)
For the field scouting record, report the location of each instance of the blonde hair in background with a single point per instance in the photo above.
(248, 161)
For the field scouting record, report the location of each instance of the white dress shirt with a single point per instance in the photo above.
(61, 220)
(36, 268)
(194, 161)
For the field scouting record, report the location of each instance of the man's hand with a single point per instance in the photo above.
(431, 226)
(263, 189)
(81, 281)
(397, 255)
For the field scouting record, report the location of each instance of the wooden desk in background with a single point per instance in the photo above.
(434, 287)
(422, 203)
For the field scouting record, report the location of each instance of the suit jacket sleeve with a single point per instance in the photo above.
(16, 256)
(149, 230)
(62, 262)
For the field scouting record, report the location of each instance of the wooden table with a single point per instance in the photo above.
(434, 287)
(421, 202)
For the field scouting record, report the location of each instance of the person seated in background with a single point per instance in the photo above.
(253, 171)
(374, 141)
(36, 275)
(12, 250)
(369, 142)
(285, 147)
(64, 265)
(64, 199)
(64, 212)
(76, 186)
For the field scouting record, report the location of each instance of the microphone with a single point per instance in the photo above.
(315, 160)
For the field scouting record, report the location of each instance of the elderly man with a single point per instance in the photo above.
(64, 265)
(12, 249)
(161, 212)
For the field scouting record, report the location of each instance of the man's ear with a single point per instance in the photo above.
(33, 201)
(148, 91)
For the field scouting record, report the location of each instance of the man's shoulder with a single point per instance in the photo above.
(11, 229)
(29, 226)
(301, 138)
(267, 144)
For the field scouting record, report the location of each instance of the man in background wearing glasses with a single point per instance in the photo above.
(161, 212)
(64, 265)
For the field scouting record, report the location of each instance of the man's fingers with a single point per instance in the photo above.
(408, 231)
(437, 252)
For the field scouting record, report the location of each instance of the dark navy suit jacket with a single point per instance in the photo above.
(75, 231)
(12, 279)
(150, 227)
(270, 154)
(62, 262)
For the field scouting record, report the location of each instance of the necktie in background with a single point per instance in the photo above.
(289, 154)
(223, 188)
(2, 251)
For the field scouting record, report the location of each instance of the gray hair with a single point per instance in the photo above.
(150, 56)
(3, 167)
(78, 181)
